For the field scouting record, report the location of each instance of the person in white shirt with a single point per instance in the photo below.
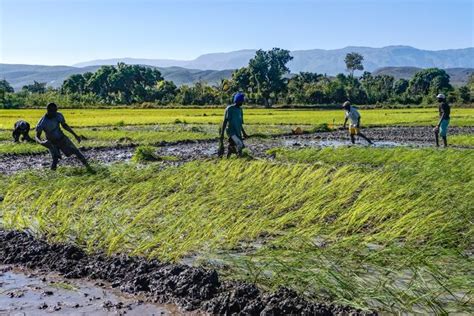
(353, 116)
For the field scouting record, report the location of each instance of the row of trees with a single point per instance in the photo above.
(266, 81)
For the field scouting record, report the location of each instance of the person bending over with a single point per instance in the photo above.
(353, 116)
(56, 141)
(21, 128)
(233, 125)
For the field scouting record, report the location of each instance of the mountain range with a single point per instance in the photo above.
(330, 62)
(399, 61)
(19, 75)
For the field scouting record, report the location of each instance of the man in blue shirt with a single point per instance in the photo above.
(56, 141)
(233, 126)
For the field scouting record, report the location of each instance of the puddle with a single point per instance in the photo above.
(26, 292)
(387, 137)
(342, 143)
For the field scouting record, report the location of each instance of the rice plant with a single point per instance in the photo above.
(375, 228)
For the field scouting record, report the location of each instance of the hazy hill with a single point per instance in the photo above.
(399, 61)
(20, 75)
(458, 76)
(330, 62)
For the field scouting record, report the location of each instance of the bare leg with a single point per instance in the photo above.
(82, 158)
(364, 137)
(55, 154)
(352, 139)
(231, 150)
(16, 137)
(445, 140)
(27, 138)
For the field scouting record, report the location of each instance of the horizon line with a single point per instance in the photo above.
(227, 52)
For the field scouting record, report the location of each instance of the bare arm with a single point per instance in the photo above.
(70, 130)
(224, 125)
(244, 133)
(15, 135)
(38, 138)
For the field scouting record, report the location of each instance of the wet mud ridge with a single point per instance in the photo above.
(202, 149)
(191, 288)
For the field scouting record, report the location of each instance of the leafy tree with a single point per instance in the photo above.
(99, 83)
(266, 70)
(5, 86)
(241, 81)
(314, 93)
(354, 91)
(429, 81)
(122, 84)
(35, 87)
(464, 94)
(377, 88)
(165, 91)
(354, 62)
(300, 83)
(470, 82)
(74, 84)
(400, 86)
(336, 91)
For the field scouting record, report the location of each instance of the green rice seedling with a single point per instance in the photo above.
(125, 116)
(384, 228)
(144, 154)
(461, 140)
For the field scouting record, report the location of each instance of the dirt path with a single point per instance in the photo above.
(191, 150)
(30, 292)
(191, 288)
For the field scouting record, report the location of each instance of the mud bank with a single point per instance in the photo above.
(191, 288)
(192, 150)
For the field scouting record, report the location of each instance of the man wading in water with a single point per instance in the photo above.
(444, 116)
(233, 120)
(354, 126)
(56, 141)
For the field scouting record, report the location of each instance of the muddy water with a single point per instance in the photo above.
(382, 137)
(26, 292)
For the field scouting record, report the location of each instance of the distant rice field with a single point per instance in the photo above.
(121, 117)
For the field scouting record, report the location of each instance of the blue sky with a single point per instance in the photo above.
(68, 31)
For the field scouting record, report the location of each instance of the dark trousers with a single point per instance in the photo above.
(66, 146)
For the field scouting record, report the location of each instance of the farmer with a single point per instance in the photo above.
(444, 115)
(21, 128)
(233, 120)
(354, 127)
(56, 141)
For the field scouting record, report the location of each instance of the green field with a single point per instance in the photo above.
(108, 136)
(380, 228)
(112, 127)
(375, 228)
(121, 117)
